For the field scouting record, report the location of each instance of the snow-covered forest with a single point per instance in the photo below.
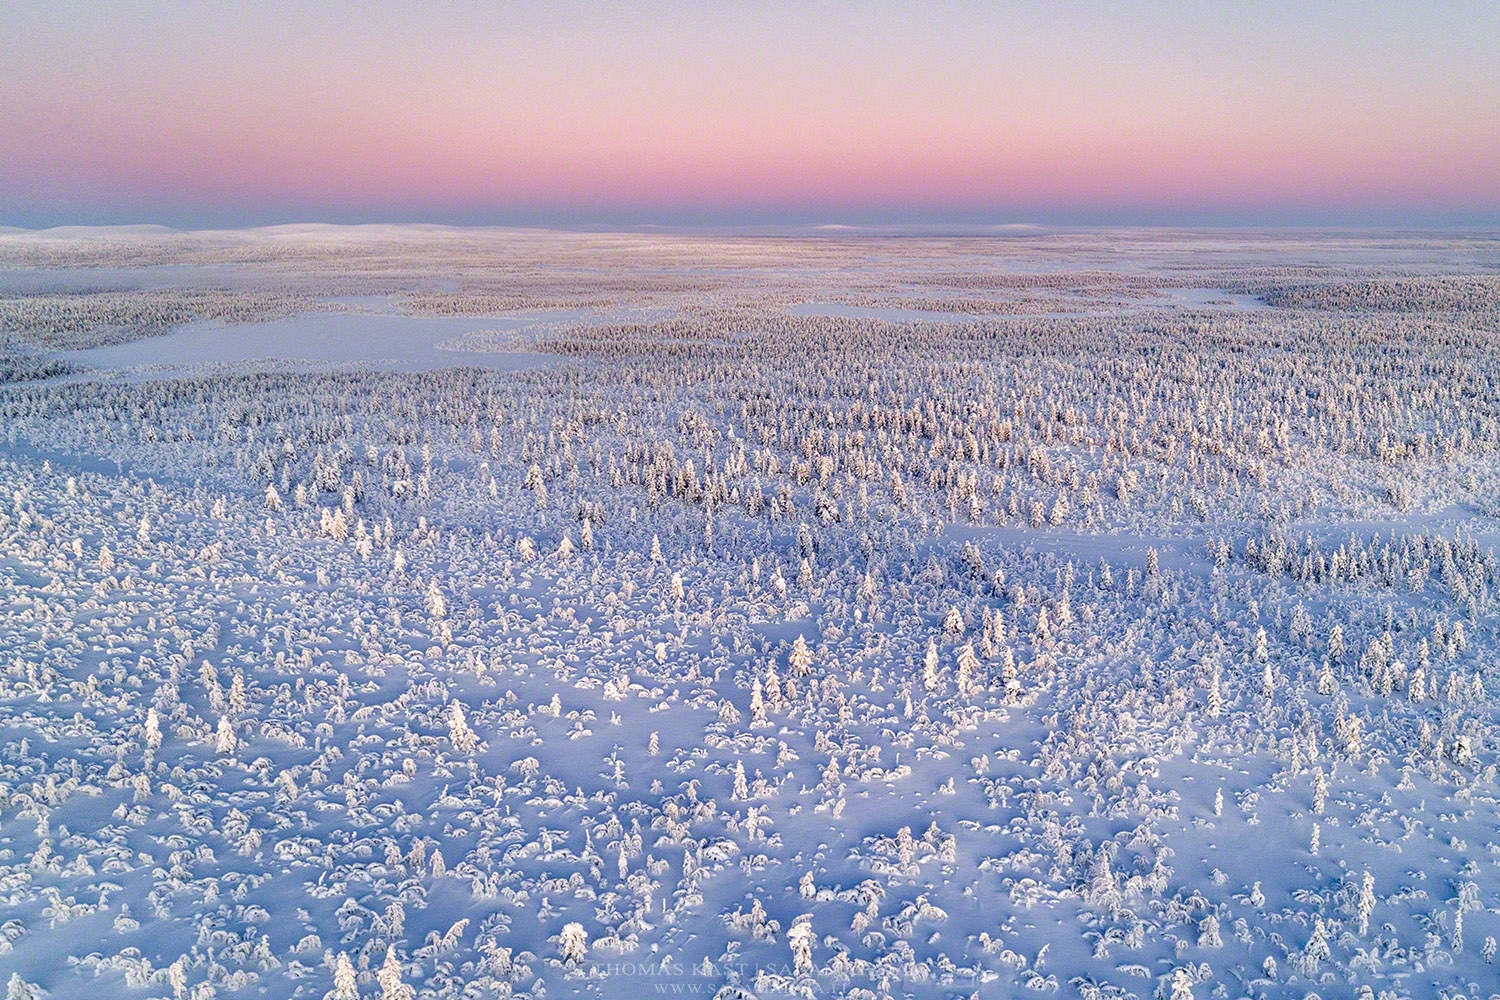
(395, 612)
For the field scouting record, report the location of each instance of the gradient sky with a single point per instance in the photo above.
(578, 114)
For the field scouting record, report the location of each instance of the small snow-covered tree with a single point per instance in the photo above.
(968, 671)
(1316, 951)
(800, 938)
(437, 604)
(1335, 642)
(573, 943)
(1350, 734)
(800, 660)
(151, 735)
(1301, 623)
(1059, 512)
(741, 790)
(345, 986)
(225, 741)
(1008, 675)
(389, 977)
(931, 680)
(772, 687)
(758, 718)
(1104, 888)
(1043, 633)
(1326, 683)
(1366, 903)
(19, 989)
(953, 623)
(463, 738)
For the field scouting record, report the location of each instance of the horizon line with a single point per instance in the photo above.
(827, 229)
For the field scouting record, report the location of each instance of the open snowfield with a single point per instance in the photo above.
(394, 611)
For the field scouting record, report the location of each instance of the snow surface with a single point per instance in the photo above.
(394, 342)
(490, 613)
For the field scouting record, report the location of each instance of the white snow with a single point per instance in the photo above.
(444, 613)
(381, 340)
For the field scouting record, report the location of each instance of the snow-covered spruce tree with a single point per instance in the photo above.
(392, 985)
(741, 790)
(1316, 951)
(1008, 675)
(758, 718)
(225, 741)
(931, 679)
(345, 985)
(953, 623)
(1336, 642)
(800, 660)
(573, 943)
(1365, 905)
(800, 938)
(464, 741)
(968, 671)
(437, 604)
(1327, 684)
(151, 733)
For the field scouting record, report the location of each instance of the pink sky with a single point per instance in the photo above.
(654, 112)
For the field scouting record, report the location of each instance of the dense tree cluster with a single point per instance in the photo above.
(63, 321)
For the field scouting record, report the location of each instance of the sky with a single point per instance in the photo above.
(636, 112)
